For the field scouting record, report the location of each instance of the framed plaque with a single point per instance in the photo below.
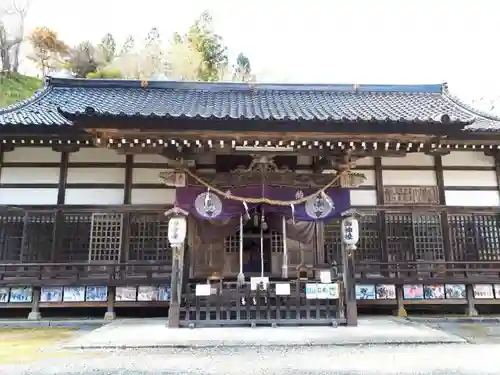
(51, 294)
(365, 292)
(126, 294)
(434, 291)
(385, 291)
(96, 294)
(483, 291)
(455, 291)
(413, 291)
(74, 294)
(21, 294)
(496, 288)
(164, 292)
(4, 295)
(147, 293)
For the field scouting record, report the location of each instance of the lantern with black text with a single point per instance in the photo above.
(350, 231)
(177, 229)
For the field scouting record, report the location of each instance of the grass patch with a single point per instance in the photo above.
(21, 345)
(16, 87)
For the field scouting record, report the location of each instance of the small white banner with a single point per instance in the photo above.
(325, 277)
(255, 281)
(203, 290)
(322, 291)
(282, 289)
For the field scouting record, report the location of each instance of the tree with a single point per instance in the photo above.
(128, 46)
(107, 49)
(152, 59)
(183, 61)
(146, 61)
(12, 16)
(48, 50)
(202, 38)
(83, 59)
(242, 71)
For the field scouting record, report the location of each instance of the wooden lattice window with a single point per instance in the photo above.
(149, 238)
(232, 243)
(369, 240)
(276, 242)
(333, 242)
(475, 237)
(38, 237)
(11, 237)
(413, 237)
(105, 237)
(75, 237)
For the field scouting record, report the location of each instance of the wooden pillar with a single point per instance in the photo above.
(349, 286)
(176, 287)
(379, 190)
(110, 312)
(35, 305)
(471, 308)
(445, 227)
(61, 197)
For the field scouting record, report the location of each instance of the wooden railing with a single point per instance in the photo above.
(130, 273)
(139, 273)
(428, 272)
(233, 304)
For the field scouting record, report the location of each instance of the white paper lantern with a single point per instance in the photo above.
(177, 229)
(350, 231)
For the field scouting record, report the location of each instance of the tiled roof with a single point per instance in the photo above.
(62, 99)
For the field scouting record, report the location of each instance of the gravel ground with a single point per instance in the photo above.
(452, 359)
(477, 333)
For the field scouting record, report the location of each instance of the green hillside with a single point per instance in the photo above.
(16, 87)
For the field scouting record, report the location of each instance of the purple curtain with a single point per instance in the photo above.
(217, 216)
(207, 205)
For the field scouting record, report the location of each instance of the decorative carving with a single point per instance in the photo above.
(298, 180)
(262, 168)
(399, 195)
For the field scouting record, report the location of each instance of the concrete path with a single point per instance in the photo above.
(153, 333)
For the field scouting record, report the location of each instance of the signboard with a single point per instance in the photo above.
(322, 291)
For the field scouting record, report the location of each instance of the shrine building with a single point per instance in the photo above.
(301, 203)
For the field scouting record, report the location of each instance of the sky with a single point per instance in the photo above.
(327, 41)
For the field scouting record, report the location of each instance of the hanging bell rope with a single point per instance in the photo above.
(265, 200)
(241, 275)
